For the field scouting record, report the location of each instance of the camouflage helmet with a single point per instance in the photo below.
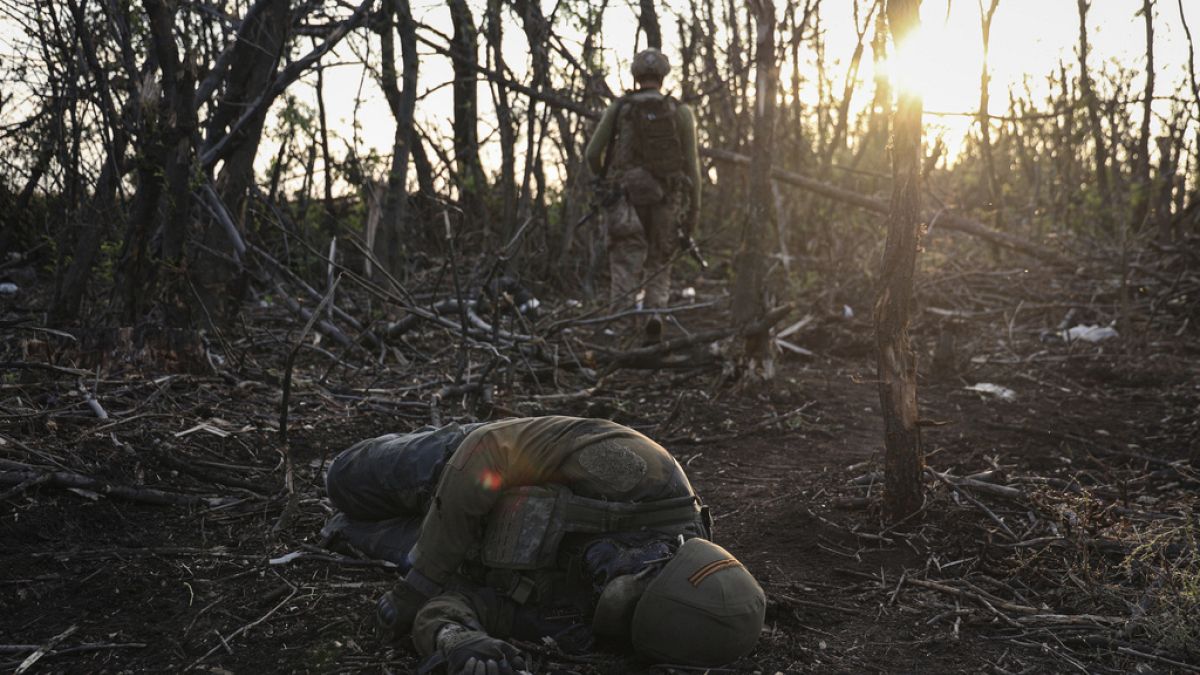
(650, 63)
(704, 609)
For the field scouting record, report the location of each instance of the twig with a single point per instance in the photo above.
(284, 448)
(41, 651)
(1161, 659)
(225, 639)
(21, 487)
(976, 502)
(67, 479)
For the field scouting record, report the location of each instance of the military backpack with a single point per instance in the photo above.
(656, 145)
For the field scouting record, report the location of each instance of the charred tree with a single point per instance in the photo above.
(749, 293)
(1099, 145)
(504, 119)
(464, 44)
(1142, 189)
(985, 123)
(402, 100)
(648, 22)
(896, 362)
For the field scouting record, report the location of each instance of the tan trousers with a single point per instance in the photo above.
(641, 241)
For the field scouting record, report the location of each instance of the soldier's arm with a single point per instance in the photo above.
(446, 608)
(691, 162)
(600, 138)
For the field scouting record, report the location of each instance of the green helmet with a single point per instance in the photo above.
(650, 63)
(703, 609)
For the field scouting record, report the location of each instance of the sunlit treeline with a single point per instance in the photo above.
(153, 147)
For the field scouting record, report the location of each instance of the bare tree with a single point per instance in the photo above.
(472, 184)
(398, 19)
(749, 299)
(1099, 146)
(648, 22)
(1141, 170)
(985, 123)
(896, 362)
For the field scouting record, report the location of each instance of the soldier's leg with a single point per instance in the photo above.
(661, 241)
(382, 488)
(626, 242)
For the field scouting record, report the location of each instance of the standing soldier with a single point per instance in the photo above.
(644, 152)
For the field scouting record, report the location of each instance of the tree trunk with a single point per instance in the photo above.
(1099, 147)
(1142, 190)
(749, 293)
(221, 280)
(403, 103)
(472, 185)
(985, 124)
(896, 362)
(648, 22)
(504, 119)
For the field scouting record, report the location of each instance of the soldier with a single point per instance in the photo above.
(558, 527)
(644, 154)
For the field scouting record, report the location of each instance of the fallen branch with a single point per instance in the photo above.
(67, 479)
(649, 357)
(949, 221)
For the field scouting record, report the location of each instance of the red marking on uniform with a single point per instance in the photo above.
(490, 480)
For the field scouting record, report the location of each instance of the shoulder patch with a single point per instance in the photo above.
(612, 464)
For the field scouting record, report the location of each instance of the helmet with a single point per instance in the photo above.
(703, 609)
(650, 63)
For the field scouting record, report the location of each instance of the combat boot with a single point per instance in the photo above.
(654, 330)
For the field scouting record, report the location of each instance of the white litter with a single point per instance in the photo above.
(847, 312)
(1002, 393)
(688, 293)
(1091, 333)
(220, 433)
(8, 288)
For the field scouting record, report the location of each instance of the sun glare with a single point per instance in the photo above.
(941, 63)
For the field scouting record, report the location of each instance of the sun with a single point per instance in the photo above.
(941, 63)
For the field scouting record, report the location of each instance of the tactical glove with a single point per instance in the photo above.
(473, 652)
(396, 609)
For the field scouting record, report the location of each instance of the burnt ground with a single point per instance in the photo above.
(1098, 448)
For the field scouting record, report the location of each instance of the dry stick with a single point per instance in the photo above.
(289, 363)
(974, 501)
(21, 487)
(948, 221)
(41, 651)
(87, 647)
(225, 639)
(1161, 659)
(69, 479)
(650, 355)
(370, 337)
(1031, 614)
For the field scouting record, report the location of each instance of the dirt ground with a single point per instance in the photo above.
(107, 584)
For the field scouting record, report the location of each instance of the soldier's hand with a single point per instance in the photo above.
(397, 609)
(474, 652)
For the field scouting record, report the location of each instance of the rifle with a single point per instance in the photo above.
(604, 195)
(693, 249)
(587, 216)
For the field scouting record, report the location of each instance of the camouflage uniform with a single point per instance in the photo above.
(642, 238)
(383, 485)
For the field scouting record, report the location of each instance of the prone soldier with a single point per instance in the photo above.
(561, 527)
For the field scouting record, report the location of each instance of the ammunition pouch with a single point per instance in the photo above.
(527, 524)
(641, 187)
